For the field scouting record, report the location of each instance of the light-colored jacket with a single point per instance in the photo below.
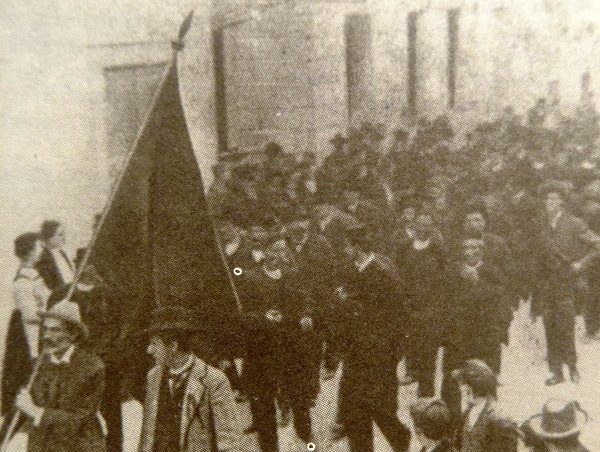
(209, 418)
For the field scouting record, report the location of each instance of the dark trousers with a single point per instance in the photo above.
(302, 423)
(111, 409)
(592, 311)
(232, 376)
(265, 422)
(559, 322)
(422, 367)
(360, 429)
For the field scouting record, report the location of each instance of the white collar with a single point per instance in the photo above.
(188, 364)
(274, 274)
(432, 448)
(555, 219)
(65, 358)
(364, 263)
(476, 266)
(233, 246)
(323, 224)
(28, 272)
(300, 245)
(475, 412)
(421, 244)
(258, 255)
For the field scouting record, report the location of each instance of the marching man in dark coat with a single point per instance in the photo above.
(484, 427)
(477, 313)
(568, 249)
(279, 361)
(61, 408)
(374, 339)
(433, 425)
(423, 263)
(189, 405)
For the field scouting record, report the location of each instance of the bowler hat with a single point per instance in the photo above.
(559, 419)
(478, 375)
(563, 188)
(338, 139)
(172, 318)
(68, 312)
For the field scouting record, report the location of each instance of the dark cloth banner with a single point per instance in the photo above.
(156, 244)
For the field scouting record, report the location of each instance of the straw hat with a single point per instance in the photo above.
(67, 311)
(559, 419)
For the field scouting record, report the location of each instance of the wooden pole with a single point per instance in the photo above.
(438, 376)
(177, 46)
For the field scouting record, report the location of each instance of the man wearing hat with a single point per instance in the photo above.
(189, 405)
(568, 249)
(557, 427)
(375, 318)
(61, 407)
(484, 428)
(433, 425)
(592, 311)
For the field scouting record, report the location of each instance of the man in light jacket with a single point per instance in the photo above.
(189, 405)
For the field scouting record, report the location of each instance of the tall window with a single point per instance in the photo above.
(358, 61)
(219, 73)
(129, 94)
(412, 62)
(453, 16)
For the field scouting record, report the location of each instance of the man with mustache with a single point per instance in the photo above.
(60, 410)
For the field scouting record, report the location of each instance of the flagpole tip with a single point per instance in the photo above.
(178, 44)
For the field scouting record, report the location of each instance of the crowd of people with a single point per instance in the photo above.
(414, 246)
(400, 243)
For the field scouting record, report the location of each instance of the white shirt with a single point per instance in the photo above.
(554, 221)
(361, 265)
(65, 268)
(323, 224)
(432, 448)
(300, 245)
(174, 373)
(30, 296)
(232, 247)
(475, 413)
(258, 255)
(65, 358)
(274, 274)
(421, 244)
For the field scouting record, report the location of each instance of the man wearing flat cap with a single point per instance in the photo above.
(433, 425)
(189, 405)
(61, 407)
(484, 427)
(568, 249)
(557, 427)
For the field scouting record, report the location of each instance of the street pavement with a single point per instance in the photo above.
(521, 394)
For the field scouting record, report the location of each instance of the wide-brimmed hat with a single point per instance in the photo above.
(559, 419)
(173, 318)
(478, 375)
(68, 312)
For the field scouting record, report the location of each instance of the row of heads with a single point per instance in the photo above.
(51, 235)
(559, 422)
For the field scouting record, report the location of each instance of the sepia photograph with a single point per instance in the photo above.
(299, 225)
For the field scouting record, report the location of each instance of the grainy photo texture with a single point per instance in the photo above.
(299, 225)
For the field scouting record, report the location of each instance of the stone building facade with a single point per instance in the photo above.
(300, 71)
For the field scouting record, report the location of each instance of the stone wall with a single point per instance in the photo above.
(286, 63)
